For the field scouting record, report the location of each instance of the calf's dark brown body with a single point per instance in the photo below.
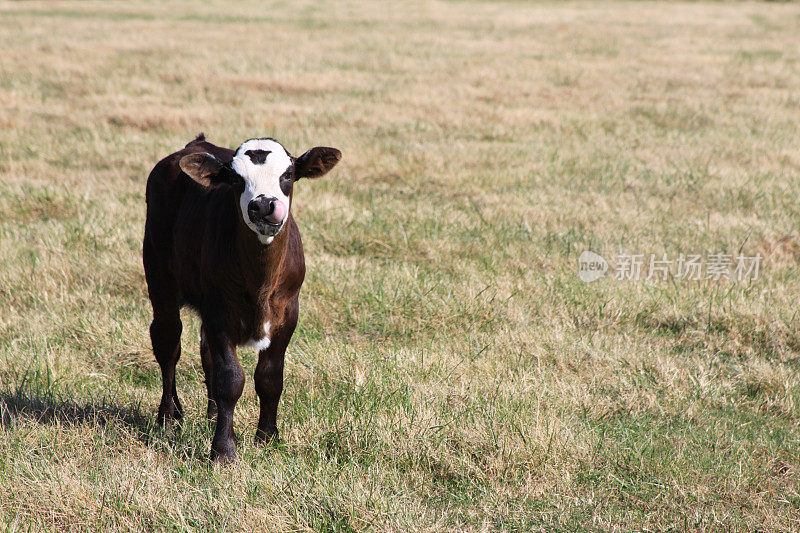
(199, 252)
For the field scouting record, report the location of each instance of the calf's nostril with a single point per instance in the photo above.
(254, 209)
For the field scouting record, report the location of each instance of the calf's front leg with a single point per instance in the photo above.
(269, 386)
(227, 385)
(208, 372)
(269, 376)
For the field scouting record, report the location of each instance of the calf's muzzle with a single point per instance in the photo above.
(264, 210)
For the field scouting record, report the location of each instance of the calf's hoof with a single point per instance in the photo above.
(223, 452)
(167, 414)
(267, 436)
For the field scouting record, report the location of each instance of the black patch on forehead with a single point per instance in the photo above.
(258, 157)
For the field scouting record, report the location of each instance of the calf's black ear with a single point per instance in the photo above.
(316, 162)
(202, 167)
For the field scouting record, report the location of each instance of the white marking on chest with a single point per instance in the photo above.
(262, 343)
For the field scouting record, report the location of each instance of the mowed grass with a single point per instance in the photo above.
(450, 370)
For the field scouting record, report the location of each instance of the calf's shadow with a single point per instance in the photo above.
(45, 407)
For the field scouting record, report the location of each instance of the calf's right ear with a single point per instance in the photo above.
(202, 167)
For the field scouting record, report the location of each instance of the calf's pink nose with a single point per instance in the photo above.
(278, 213)
(267, 210)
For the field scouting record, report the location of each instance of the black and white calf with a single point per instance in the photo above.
(220, 238)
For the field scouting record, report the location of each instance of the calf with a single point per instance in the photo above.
(220, 238)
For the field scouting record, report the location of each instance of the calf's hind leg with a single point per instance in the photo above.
(166, 337)
(165, 334)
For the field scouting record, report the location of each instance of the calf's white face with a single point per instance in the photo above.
(267, 171)
(262, 173)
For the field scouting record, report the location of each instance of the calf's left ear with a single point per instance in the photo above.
(316, 162)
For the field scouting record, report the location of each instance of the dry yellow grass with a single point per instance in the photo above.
(450, 370)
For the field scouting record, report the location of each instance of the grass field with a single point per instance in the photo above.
(450, 370)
